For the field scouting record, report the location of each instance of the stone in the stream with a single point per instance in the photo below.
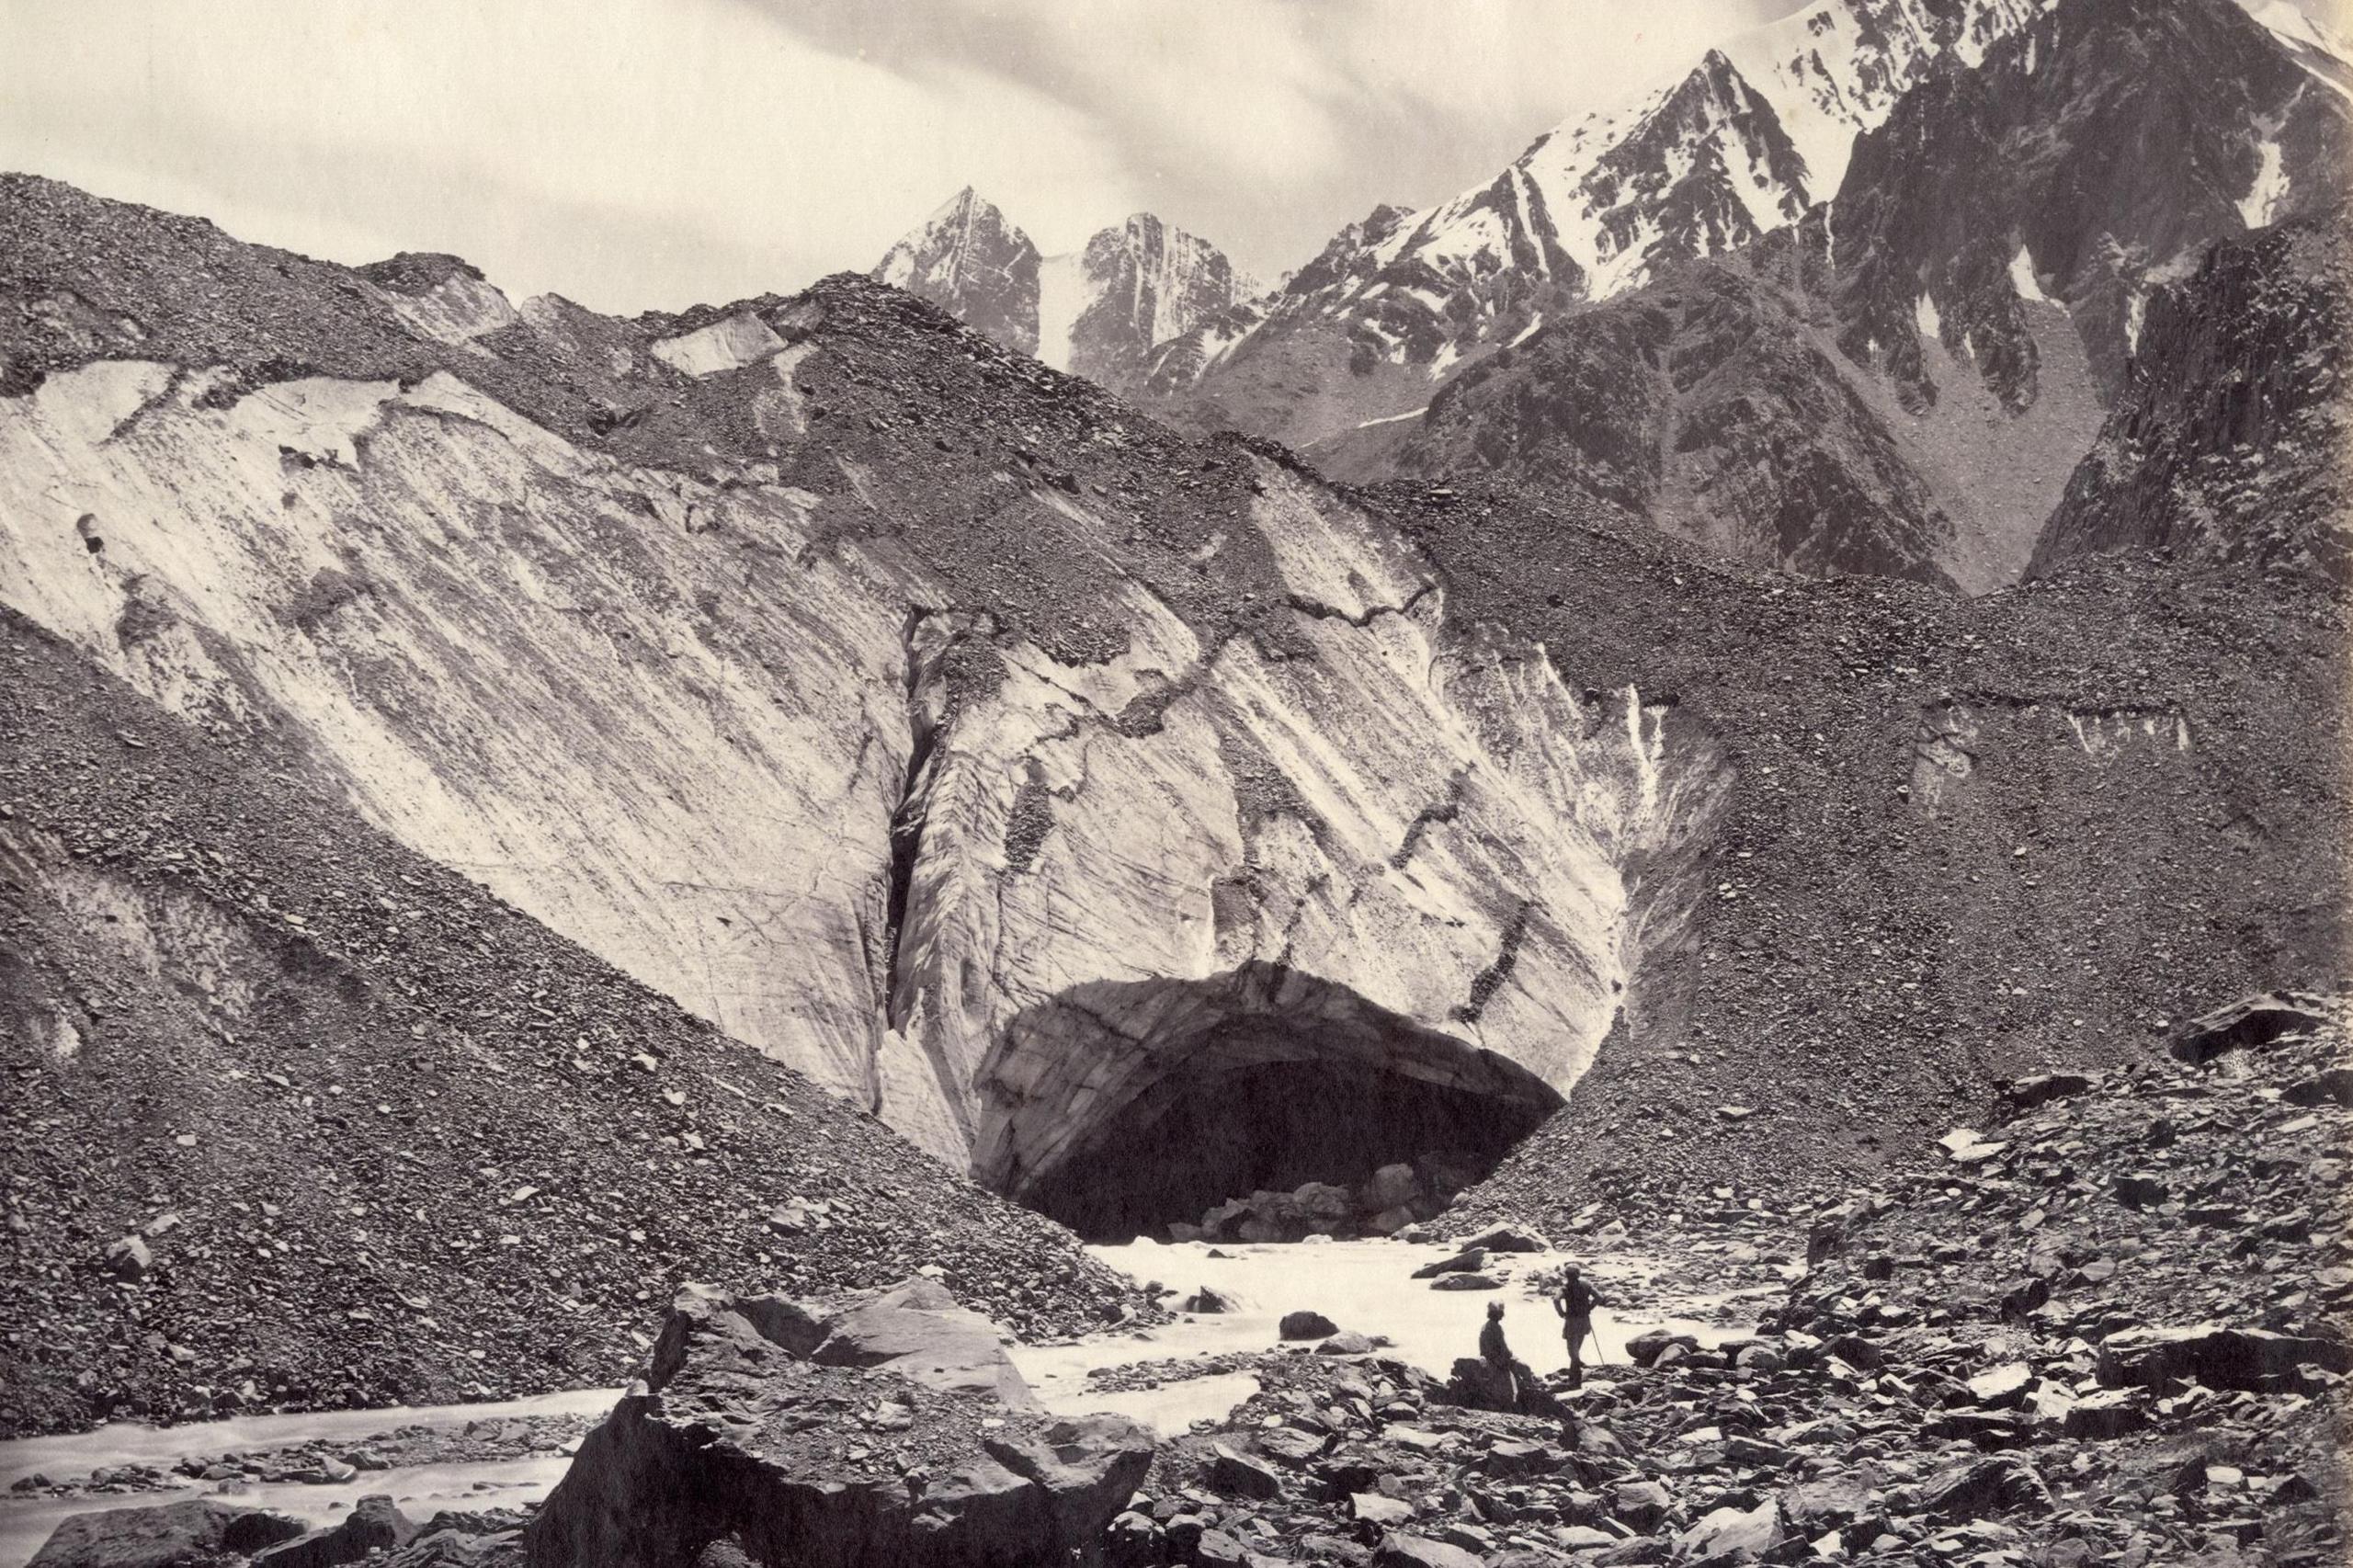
(1207, 1302)
(1346, 1344)
(167, 1536)
(1307, 1325)
(1468, 1261)
(1466, 1282)
(375, 1524)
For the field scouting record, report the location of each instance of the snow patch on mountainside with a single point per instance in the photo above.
(728, 345)
(2263, 197)
(2023, 279)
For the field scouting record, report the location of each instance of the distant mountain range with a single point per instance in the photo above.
(1098, 312)
(1927, 235)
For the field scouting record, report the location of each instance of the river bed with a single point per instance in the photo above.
(1365, 1286)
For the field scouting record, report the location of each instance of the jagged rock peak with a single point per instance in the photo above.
(1098, 311)
(971, 261)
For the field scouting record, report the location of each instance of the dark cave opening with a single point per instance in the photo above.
(1205, 1137)
(1259, 1104)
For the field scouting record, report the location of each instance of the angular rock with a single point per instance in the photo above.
(2238, 1358)
(2250, 1023)
(2111, 1412)
(739, 1440)
(2040, 1089)
(917, 1330)
(1643, 1349)
(1642, 1503)
(168, 1536)
(1730, 1531)
(129, 1258)
(1506, 1237)
(1999, 1483)
(1398, 1550)
(1466, 1282)
(2004, 1387)
(1242, 1475)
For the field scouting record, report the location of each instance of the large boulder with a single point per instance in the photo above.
(169, 1536)
(1475, 1385)
(1306, 1324)
(2250, 1358)
(2249, 1023)
(1507, 1237)
(917, 1330)
(748, 1447)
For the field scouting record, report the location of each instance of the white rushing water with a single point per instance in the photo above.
(1367, 1287)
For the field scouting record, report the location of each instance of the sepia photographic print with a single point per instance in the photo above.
(1174, 783)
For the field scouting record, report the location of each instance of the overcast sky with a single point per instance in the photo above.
(635, 154)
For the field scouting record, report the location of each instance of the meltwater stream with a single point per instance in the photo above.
(1365, 1286)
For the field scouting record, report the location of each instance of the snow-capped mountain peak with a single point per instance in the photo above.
(970, 260)
(1758, 130)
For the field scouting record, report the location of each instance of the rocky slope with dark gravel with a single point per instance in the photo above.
(297, 1119)
(1061, 749)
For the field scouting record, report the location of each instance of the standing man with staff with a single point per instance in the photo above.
(1576, 1303)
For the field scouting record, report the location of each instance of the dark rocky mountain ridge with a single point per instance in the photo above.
(2228, 442)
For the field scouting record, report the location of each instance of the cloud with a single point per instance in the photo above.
(635, 154)
(1266, 124)
(628, 153)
